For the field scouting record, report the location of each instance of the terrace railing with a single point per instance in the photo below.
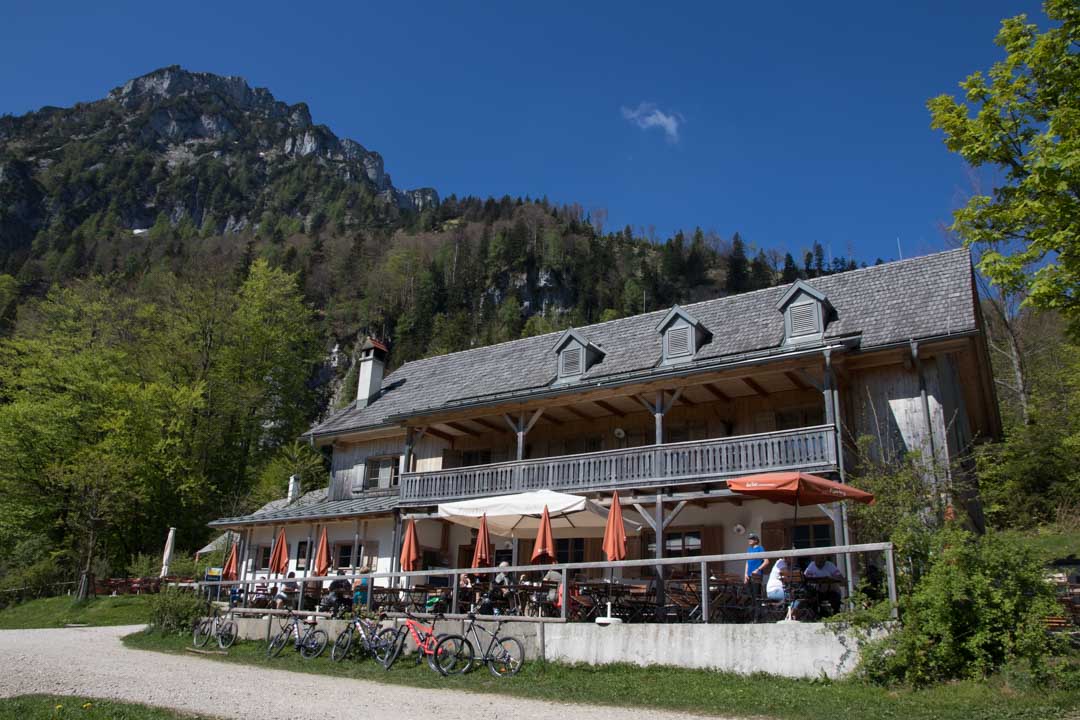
(812, 448)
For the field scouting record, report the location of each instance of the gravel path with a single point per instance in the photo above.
(92, 662)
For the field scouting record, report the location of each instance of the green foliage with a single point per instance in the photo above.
(65, 707)
(1024, 123)
(174, 611)
(55, 612)
(981, 605)
(297, 459)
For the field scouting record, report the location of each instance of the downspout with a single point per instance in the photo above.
(845, 528)
(926, 411)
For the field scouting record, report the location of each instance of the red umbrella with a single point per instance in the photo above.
(615, 532)
(229, 571)
(322, 556)
(279, 556)
(482, 554)
(545, 546)
(410, 548)
(795, 488)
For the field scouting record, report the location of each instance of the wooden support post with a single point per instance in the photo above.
(658, 416)
(355, 545)
(890, 568)
(704, 592)
(845, 529)
(658, 529)
(454, 594)
(406, 452)
(395, 559)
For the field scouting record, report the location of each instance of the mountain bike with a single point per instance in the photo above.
(426, 639)
(504, 656)
(214, 626)
(363, 636)
(310, 643)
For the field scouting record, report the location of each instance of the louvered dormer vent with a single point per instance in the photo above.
(571, 361)
(678, 341)
(682, 336)
(806, 313)
(574, 356)
(804, 319)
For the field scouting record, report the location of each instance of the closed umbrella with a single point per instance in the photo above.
(279, 556)
(615, 532)
(544, 548)
(482, 553)
(229, 571)
(166, 557)
(322, 556)
(410, 548)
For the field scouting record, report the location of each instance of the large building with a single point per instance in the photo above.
(664, 407)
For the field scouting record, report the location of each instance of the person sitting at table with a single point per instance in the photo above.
(503, 578)
(286, 590)
(339, 594)
(820, 568)
(774, 588)
(262, 596)
(360, 588)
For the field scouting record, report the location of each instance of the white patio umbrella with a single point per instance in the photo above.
(167, 556)
(518, 516)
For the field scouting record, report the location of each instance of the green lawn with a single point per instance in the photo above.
(67, 707)
(677, 689)
(59, 611)
(1050, 542)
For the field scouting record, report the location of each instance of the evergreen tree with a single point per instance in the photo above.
(790, 273)
(738, 275)
(761, 275)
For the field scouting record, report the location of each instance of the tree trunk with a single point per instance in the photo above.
(86, 582)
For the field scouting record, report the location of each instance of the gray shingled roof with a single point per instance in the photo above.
(923, 297)
(311, 506)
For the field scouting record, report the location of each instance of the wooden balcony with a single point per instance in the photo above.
(807, 449)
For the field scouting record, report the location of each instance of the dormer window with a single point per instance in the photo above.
(682, 336)
(805, 311)
(575, 356)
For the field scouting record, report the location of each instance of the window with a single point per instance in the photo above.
(571, 361)
(678, 341)
(570, 550)
(381, 472)
(262, 555)
(475, 457)
(812, 535)
(793, 418)
(301, 555)
(676, 544)
(343, 553)
(579, 445)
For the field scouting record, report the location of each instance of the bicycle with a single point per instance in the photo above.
(310, 643)
(504, 656)
(214, 626)
(364, 635)
(426, 639)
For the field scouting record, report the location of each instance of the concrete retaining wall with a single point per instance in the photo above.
(790, 649)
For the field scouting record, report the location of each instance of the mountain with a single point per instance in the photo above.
(190, 147)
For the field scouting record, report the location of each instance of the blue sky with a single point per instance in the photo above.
(788, 122)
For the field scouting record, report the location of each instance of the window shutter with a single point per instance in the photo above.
(678, 341)
(571, 361)
(803, 319)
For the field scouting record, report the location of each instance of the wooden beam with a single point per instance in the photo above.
(461, 428)
(488, 424)
(610, 408)
(717, 392)
(441, 435)
(752, 384)
(574, 411)
(685, 401)
(796, 380)
(553, 420)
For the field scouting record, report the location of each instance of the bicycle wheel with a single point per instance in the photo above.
(342, 645)
(226, 634)
(202, 632)
(452, 656)
(391, 641)
(313, 643)
(381, 645)
(277, 643)
(507, 657)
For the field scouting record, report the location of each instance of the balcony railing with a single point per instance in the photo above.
(812, 448)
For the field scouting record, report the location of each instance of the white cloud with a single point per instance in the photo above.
(647, 115)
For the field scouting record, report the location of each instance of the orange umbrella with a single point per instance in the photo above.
(410, 548)
(279, 556)
(322, 556)
(229, 571)
(796, 488)
(482, 554)
(615, 532)
(545, 546)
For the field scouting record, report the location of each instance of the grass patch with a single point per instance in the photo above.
(695, 691)
(1050, 542)
(65, 707)
(59, 611)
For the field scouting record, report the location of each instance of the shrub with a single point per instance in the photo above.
(981, 604)
(175, 611)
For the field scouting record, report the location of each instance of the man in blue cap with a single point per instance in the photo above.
(754, 568)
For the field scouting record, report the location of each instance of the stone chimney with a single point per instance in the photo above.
(372, 363)
(294, 488)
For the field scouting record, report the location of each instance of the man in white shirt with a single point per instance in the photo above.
(823, 569)
(820, 567)
(774, 588)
